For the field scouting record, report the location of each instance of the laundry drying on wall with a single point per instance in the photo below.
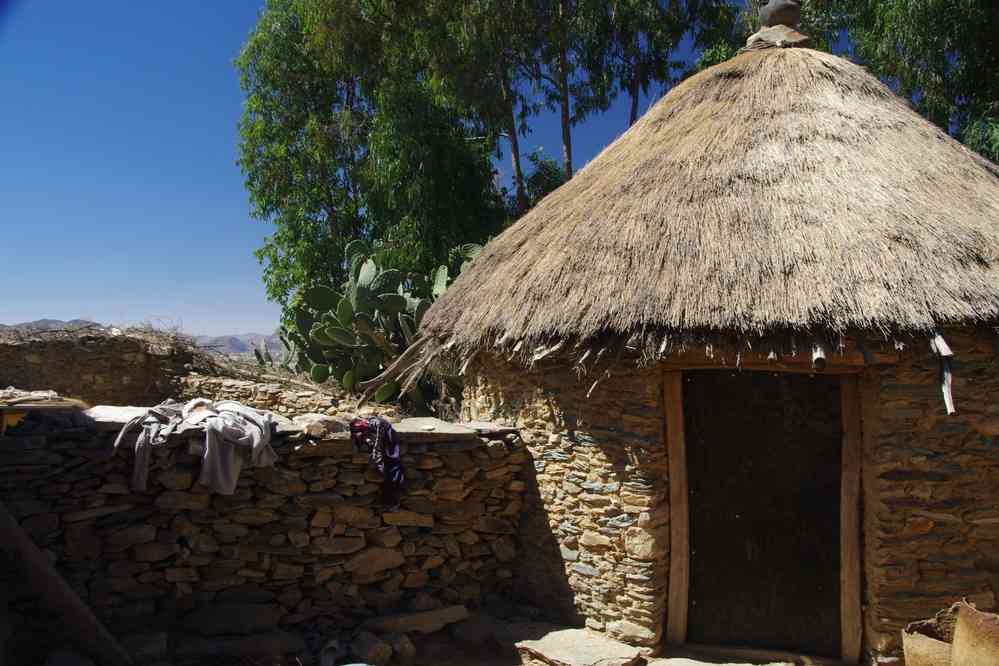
(235, 436)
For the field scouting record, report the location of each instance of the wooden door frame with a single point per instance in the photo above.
(678, 603)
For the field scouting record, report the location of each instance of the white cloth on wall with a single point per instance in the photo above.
(234, 434)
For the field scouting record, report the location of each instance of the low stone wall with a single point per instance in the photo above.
(281, 397)
(595, 529)
(298, 546)
(97, 366)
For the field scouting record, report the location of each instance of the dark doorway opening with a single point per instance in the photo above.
(764, 456)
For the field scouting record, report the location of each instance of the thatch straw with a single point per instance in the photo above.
(784, 190)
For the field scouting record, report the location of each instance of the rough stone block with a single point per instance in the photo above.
(370, 649)
(232, 618)
(388, 537)
(408, 519)
(425, 622)
(177, 500)
(128, 537)
(579, 647)
(338, 545)
(374, 560)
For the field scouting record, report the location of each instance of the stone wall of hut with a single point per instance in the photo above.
(594, 532)
(931, 487)
(595, 522)
(299, 550)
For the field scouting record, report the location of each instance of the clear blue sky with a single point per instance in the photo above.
(120, 200)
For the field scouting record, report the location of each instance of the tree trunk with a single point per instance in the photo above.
(633, 91)
(511, 129)
(563, 84)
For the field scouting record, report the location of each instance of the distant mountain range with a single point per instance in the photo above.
(238, 344)
(225, 344)
(51, 325)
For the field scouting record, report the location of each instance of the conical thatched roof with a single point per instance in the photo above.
(786, 190)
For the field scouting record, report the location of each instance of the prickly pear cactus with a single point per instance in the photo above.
(353, 334)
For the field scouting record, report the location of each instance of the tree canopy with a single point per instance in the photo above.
(941, 54)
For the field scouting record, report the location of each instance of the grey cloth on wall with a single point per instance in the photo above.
(235, 435)
(157, 424)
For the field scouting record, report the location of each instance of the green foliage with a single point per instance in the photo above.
(982, 134)
(942, 54)
(546, 177)
(430, 185)
(297, 151)
(629, 45)
(344, 137)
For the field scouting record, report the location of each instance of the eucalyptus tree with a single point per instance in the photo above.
(631, 45)
(345, 136)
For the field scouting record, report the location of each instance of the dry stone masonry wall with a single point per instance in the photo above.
(595, 529)
(931, 488)
(97, 366)
(178, 570)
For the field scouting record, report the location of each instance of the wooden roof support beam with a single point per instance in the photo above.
(56, 593)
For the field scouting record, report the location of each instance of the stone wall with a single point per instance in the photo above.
(931, 488)
(280, 395)
(297, 548)
(595, 527)
(97, 366)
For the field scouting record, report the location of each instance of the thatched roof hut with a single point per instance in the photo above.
(769, 275)
(786, 190)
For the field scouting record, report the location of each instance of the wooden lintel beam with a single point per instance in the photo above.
(763, 367)
(835, 363)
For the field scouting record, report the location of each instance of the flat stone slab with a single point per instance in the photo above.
(424, 622)
(427, 429)
(320, 426)
(578, 647)
(680, 661)
(110, 417)
(490, 428)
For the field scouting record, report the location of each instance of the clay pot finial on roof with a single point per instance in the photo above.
(780, 12)
(779, 22)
